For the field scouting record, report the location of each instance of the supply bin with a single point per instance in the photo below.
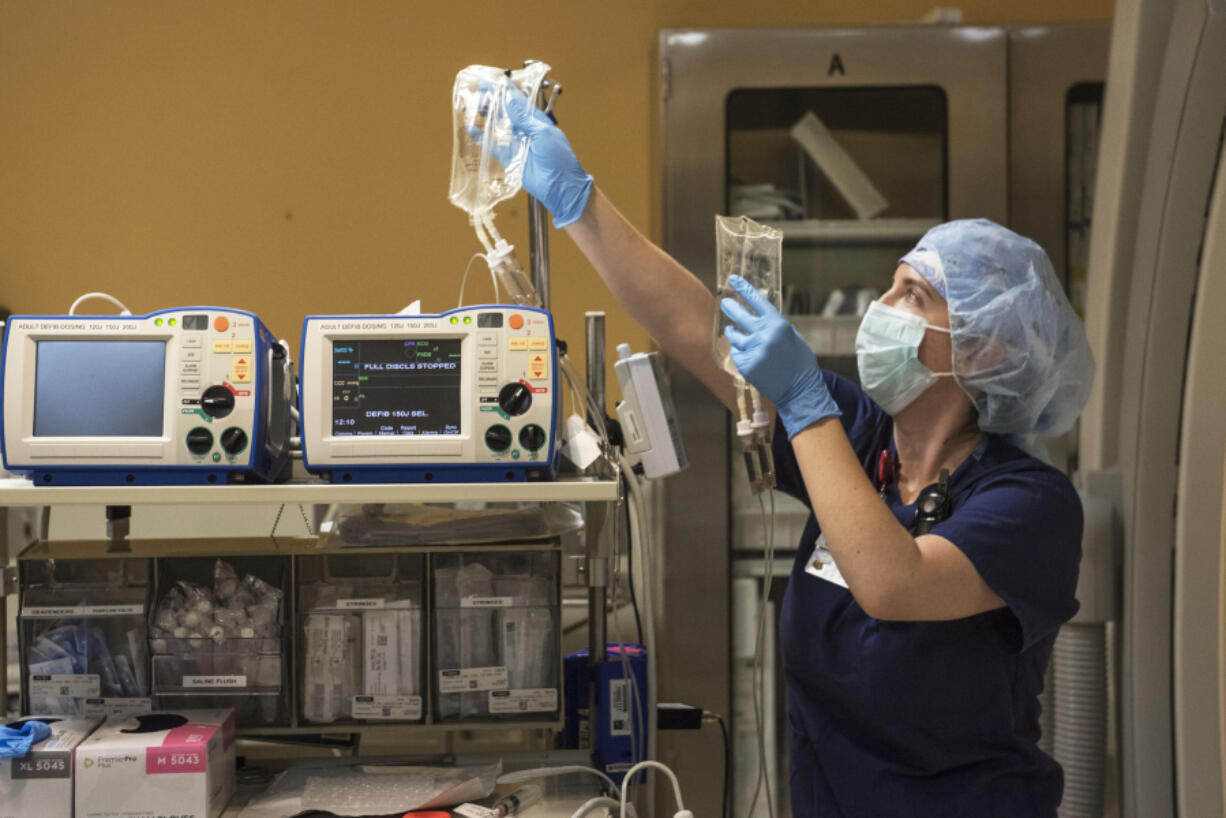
(496, 636)
(217, 636)
(360, 635)
(83, 636)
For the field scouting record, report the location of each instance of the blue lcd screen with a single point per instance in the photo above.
(99, 388)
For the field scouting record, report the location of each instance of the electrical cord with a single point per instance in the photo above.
(682, 812)
(635, 697)
(641, 533)
(634, 603)
(708, 716)
(595, 803)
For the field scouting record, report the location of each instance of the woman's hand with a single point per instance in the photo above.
(552, 173)
(771, 355)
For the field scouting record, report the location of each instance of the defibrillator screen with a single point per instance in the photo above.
(406, 386)
(99, 388)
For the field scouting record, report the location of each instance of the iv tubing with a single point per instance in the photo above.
(481, 236)
(105, 297)
(549, 772)
(488, 220)
(741, 388)
(759, 671)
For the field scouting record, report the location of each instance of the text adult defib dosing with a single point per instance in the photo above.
(468, 395)
(191, 395)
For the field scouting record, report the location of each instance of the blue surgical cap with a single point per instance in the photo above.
(1019, 349)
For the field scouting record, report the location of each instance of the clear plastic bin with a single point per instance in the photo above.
(83, 636)
(360, 638)
(218, 639)
(496, 636)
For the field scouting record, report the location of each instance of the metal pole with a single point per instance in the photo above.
(597, 561)
(538, 225)
(538, 249)
(595, 357)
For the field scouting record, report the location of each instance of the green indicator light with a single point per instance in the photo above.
(157, 321)
(468, 319)
(455, 320)
(173, 321)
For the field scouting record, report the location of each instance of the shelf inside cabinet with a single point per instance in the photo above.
(17, 491)
(225, 547)
(851, 231)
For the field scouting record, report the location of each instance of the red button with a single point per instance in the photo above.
(221, 323)
(517, 321)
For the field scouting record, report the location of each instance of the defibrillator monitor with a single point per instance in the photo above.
(466, 396)
(179, 396)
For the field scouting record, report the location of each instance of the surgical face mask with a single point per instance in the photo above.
(887, 354)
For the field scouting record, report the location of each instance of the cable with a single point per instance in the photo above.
(709, 716)
(635, 696)
(577, 386)
(641, 533)
(105, 297)
(594, 803)
(634, 603)
(642, 765)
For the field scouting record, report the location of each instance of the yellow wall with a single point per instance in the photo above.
(292, 156)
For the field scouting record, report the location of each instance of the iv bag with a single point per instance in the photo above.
(751, 250)
(487, 157)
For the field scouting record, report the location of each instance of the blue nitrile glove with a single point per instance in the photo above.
(17, 743)
(771, 355)
(552, 173)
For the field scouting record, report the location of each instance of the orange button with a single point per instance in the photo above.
(221, 323)
(516, 321)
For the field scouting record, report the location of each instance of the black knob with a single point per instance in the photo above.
(217, 401)
(515, 399)
(199, 440)
(532, 437)
(234, 440)
(498, 438)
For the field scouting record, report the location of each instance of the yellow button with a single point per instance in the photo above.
(221, 347)
(517, 343)
(241, 347)
(538, 368)
(240, 366)
(538, 343)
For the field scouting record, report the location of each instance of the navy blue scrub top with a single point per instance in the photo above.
(932, 718)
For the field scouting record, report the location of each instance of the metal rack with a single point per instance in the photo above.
(20, 492)
(119, 501)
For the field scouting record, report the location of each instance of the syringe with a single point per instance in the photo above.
(520, 799)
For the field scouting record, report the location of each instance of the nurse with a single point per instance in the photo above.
(914, 635)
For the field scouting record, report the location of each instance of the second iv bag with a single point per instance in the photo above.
(751, 250)
(487, 158)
